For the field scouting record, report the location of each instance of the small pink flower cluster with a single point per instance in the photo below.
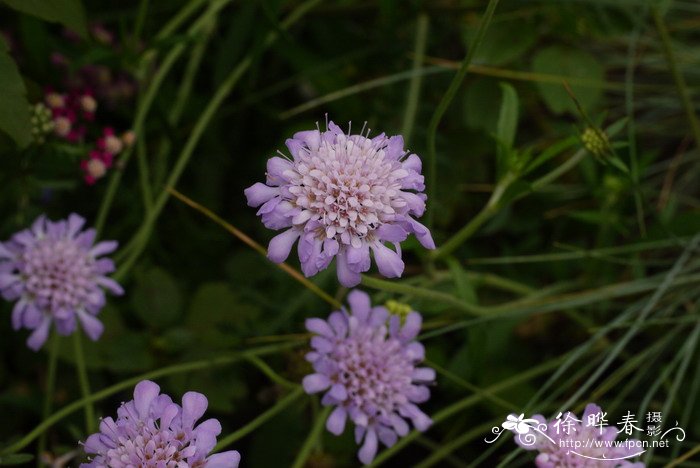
(72, 112)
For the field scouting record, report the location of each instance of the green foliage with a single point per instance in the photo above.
(69, 13)
(14, 111)
(583, 71)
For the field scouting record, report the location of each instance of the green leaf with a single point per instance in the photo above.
(69, 13)
(581, 69)
(157, 299)
(16, 459)
(499, 46)
(507, 124)
(480, 113)
(14, 107)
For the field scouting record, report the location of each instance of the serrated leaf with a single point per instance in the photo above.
(14, 110)
(156, 298)
(575, 65)
(69, 13)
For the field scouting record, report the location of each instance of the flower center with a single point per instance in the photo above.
(58, 274)
(348, 186)
(374, 370)
(150, 447)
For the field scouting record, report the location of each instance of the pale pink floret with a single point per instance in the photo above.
(366, 362)
(343, 196)
(153, 432)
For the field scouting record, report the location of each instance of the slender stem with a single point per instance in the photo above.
(54, 344)
(312, 438)
(140, 20)
(202, 123)
(144, 174)
(678, 77)
(257, 247)
(494, 203)
(260, 420)
(445, 103)
(270, 373)
(144, 107)
(413, 96)
(125, 384)
(84, 381)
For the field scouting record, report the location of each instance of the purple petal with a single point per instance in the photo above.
(110, 285)
(75, 224)
(394, 148)
(346, 276)
(315, 383)
(338, 392)
(311, 138)
(194, 405)
(360, 304)
(276, 167)
(103, 248)
(411, 326)
(369, 449)
(17, 313)
(392, 233)
(319, 326)
(336, 421)
(92, 326)
(37, 339)
(281, 245)
(144, 394)
(421, 232)
(423, 374)
(229, 459)
(386, 436)
(358, 258)
(259, 193)
(389, 262)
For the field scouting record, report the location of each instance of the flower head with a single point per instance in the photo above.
(153, 432)
(574, 442)
(366, 362)
(342, 196)
(54, 272)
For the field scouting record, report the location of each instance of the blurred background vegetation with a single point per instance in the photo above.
(580, 284)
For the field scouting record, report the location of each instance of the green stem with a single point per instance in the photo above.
(260, 420)
(126, 384)
(312, 439)
(413, 96)
(84, 381)
(140, 20)
(144, 107)
(270, 373)
(445, 103)
(54, 344)
(678, 77)
(202, 123)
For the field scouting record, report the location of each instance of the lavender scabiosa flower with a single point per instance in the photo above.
(342, 196)
(583, 443)
(54, 272)
(153, 432)
(366, 361)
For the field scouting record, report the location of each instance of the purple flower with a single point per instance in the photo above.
(342, 196)
(54, 272)
(568, 441)
(366, 361)
(153, 432)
